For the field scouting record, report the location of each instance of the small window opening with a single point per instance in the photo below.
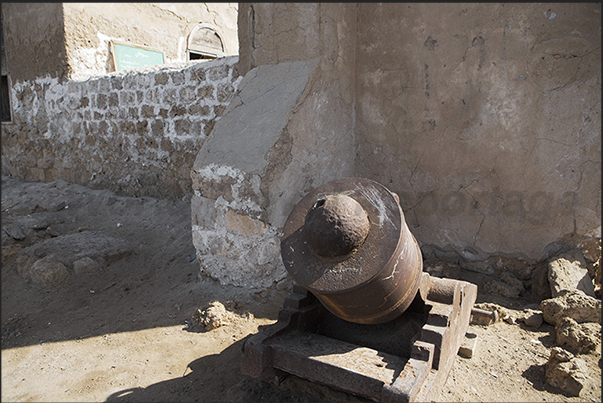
(6, 111)
(4, 79)
(199, 56)
(204, 42)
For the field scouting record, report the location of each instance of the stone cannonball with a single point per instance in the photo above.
(336, 225)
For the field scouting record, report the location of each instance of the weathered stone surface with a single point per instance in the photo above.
(24, 263)
(565, 372)
(440, 268)
(258, 113)
(243, 224)
(49, 272)
(86, 265)
(214, 316)
(580, 337)
(568, 272)
(539, 285)
(112, 123)
(573, 304)
(531, 318)
(513, 193)
(235, 248)
(258, 162)
(70, 248)
(508, 286)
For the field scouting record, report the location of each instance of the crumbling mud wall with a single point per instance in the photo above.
(35, 40)
(135, 132)
(89, 27)
(72, 40)
(486, 120)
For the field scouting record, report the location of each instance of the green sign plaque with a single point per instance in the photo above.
(132, 56)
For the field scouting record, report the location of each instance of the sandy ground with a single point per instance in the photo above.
(124, 332)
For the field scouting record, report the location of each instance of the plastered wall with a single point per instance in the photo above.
(34, 32)
(89, 27)
(486, 119)
(135, 132)
(72, 40)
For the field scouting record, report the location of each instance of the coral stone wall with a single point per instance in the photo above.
(136, 132)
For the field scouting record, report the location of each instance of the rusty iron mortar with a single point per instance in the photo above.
(363, 316)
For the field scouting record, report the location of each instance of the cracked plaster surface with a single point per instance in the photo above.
(486, 123)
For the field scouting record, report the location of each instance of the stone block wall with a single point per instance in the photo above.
(136, 132)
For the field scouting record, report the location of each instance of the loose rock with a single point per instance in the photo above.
(591, 249)
(518, 268)
(214, 316)
(532, 318)
(441, 269)
(72, 247)
(15, 231)
(49, 272)
(508, 286)
(568, 272)
(540, 287)
(574, 304)
(565, 372)
(86, 265)
(580, 337)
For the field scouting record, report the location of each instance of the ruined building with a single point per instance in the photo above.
(76, 115)
(484, 118)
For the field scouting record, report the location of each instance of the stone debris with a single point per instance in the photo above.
(214, 316)
(20, 229)
(579, 337)
(15, 231)
(503, 313)
(518, 268)
(565, 372)
(81, 252)
(539, 285)
(574, 304)
(569, 272)
(86, 265)
(591, 249)
(48, 272)
(438, 268)
(531, 318)
(508, 286)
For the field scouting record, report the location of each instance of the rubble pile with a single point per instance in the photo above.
(567, 289)
(216, 314)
